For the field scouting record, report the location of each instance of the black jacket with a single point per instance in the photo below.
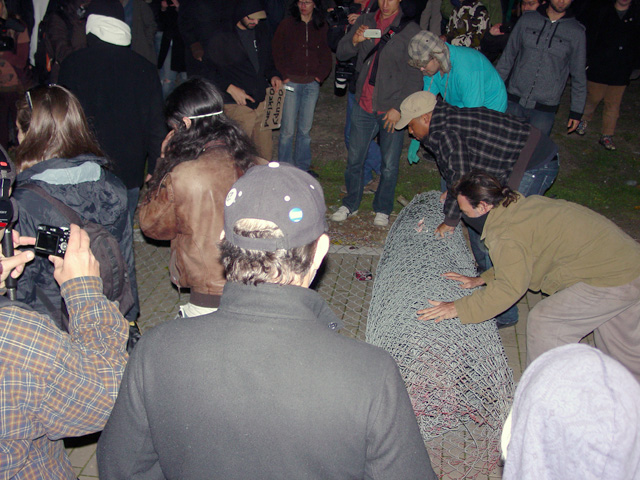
(121, 95)
(613, 44)
(231, 61)
(90, 190)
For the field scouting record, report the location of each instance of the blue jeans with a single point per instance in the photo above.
(374, 156)
(534, 182)
(364, 128)
(297, 118)
(543, 121)
(132, 202)
(169, 79)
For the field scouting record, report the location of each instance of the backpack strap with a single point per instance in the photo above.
(65, 210)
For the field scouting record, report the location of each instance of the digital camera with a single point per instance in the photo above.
(52, 240)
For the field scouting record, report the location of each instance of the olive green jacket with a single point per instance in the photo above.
(539, 243)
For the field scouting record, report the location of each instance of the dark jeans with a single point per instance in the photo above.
(374, 156)
(132, 203)
(543, 121)
(364, 128)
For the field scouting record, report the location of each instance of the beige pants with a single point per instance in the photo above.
(611, 313)
(250, 121)
(612, 96)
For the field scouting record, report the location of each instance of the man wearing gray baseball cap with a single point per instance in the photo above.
(265, 387)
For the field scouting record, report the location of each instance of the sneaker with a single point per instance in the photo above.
(607, 142)
(371, 187)
(582, 127)
(381, 220)
(342, 214)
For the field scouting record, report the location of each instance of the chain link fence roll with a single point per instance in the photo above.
(457, 375)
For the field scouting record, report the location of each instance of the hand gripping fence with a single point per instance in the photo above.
(457, 375)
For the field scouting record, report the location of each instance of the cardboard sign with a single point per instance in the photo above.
(273, 106)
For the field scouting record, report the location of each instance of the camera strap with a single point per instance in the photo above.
(381, 44)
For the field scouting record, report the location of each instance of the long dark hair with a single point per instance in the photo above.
(198, 96)
(478, 186)
(54, 126)
(317, 17)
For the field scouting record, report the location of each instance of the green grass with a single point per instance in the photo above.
(589, 175)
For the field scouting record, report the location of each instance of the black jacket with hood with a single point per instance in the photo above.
(83, 184)
(231, 61)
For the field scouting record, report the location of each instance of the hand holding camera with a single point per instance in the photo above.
(78, 260)
(14, 264)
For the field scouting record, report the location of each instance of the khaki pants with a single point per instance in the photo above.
(612, 96)
(250, 121)
(612, 313)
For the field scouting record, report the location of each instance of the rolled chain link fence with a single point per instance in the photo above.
(457, 375)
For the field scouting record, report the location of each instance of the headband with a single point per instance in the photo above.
(213, 114)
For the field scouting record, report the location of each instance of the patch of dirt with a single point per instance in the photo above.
(359, 231)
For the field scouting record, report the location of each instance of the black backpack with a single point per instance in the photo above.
(104, 246)
(44, 58)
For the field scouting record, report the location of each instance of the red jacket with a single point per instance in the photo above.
(301, 52)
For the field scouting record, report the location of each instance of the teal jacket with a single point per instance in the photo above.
(472, 82)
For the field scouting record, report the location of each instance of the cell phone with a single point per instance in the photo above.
(52, 240)
(372, 33)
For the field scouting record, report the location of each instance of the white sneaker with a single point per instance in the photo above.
(381, 220)
(342, 214)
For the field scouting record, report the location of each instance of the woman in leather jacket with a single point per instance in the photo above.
(203, 155)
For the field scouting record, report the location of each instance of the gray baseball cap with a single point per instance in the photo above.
(282, 194)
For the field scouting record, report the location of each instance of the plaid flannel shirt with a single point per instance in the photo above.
(463, 139)
(55, 385)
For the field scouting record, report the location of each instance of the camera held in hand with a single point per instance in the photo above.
(52, 240)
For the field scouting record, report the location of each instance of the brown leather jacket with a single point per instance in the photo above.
(187, 208)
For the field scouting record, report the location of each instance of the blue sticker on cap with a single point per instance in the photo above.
(295, 215)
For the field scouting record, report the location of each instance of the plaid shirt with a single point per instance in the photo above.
(463, 139)
(55, 385)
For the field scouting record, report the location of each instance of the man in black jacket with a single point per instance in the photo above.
(265, 387)
(120, 93)
(244, 69)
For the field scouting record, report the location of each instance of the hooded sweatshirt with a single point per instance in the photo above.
(576, 414)
(233, 63)
(539, 57)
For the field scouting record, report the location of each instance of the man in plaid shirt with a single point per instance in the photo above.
(466, 139)
(55, 384)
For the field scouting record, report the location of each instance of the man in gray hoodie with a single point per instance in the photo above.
(545, 47)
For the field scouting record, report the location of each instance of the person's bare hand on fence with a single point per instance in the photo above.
(465, 282)
(438, 312)
(444, 230)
